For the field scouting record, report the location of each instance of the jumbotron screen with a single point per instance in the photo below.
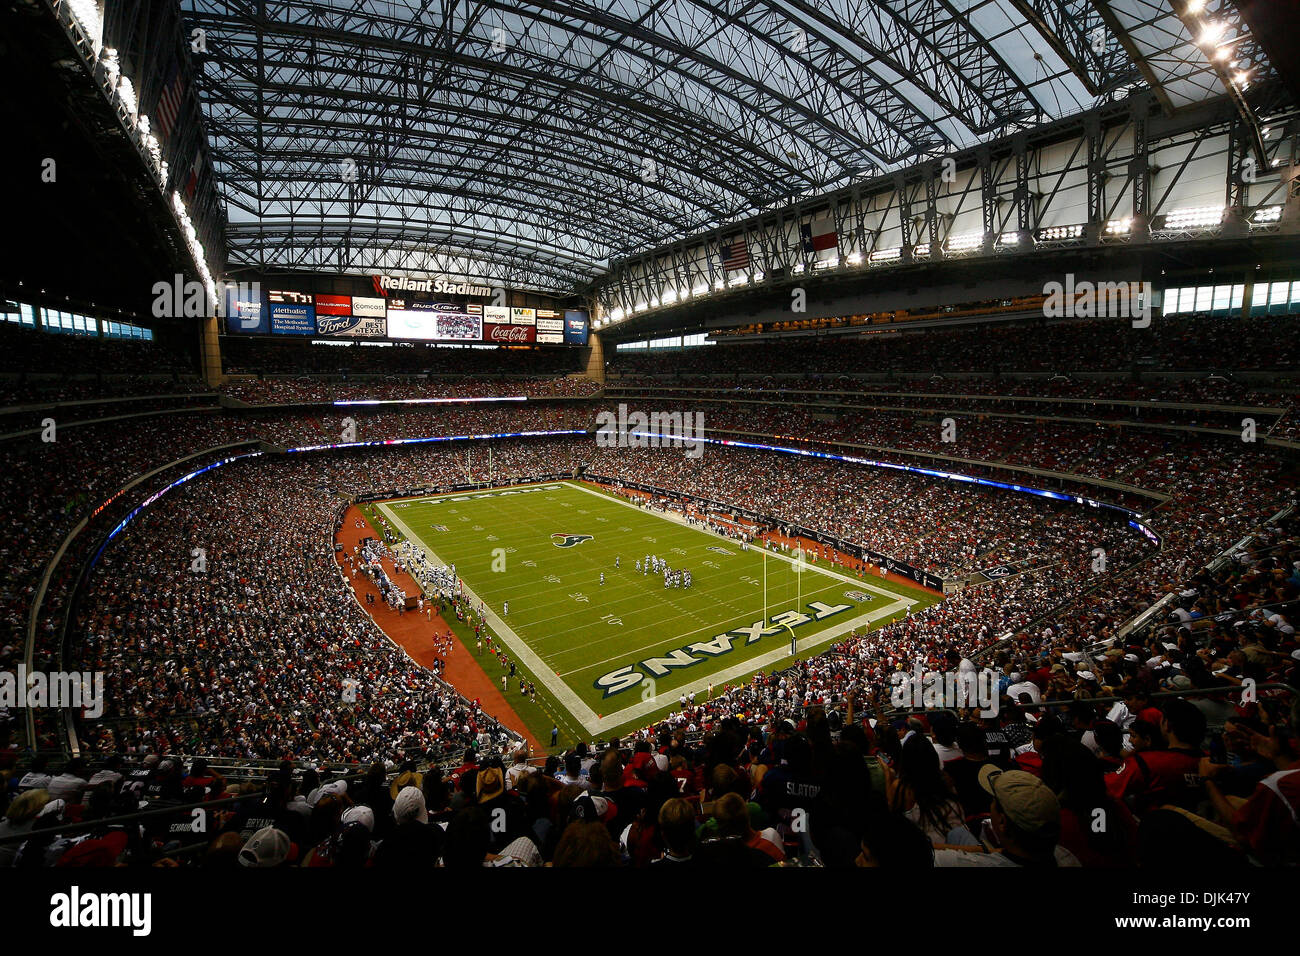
(407, 318)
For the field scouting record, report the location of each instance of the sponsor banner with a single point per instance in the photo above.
(369, 307)
(292, 319)
(508, 334)
(283, 296)
(550, 338)
(351, 325)
(246, 313)
(550, 325)
(575, 327)
(497, 313)
(333, 305)
(523, 316)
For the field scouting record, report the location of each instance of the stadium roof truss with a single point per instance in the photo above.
(531, 144)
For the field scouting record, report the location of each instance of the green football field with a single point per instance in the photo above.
(619, 654)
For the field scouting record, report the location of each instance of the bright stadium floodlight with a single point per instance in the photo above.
(855, 258)
(1211, 32)
(1194, 217)
(921, 251)
(701, 289)
(965, 242)
(1119, 227)
(886, 255)
(1267, 214)
(1194, 6)
(1055, 233)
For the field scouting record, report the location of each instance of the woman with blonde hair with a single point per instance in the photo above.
(19, 819)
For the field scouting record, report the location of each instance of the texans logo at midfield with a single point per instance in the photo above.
(569, 540)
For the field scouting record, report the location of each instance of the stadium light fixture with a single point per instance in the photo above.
(1267, 214)
(965, 242)
(1194, 217)
(1054, 233)
(1211, 32)
(885, 255)
(1119, 227)
(855, 258)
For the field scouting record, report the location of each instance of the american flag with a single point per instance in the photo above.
(734, 255)
(169, 101)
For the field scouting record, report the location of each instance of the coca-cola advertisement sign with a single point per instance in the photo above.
(509, 334)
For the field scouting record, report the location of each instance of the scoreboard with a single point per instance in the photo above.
(331, 315)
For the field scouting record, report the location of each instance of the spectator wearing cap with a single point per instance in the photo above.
(268, 848)
(1168, 774)
(1026, 822)
(505, 809)
(350, 846)
(413, 842)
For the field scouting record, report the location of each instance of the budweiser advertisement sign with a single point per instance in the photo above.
(509, 334)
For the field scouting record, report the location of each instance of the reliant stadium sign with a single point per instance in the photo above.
(438, 286)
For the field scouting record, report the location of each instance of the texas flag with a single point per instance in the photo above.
(192, 178)
(819, 236)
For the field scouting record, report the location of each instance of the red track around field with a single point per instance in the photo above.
(415, 632)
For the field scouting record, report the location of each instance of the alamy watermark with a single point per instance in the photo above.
(1073, 299)
(624, 429)
(32, 689)
(928, 690)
